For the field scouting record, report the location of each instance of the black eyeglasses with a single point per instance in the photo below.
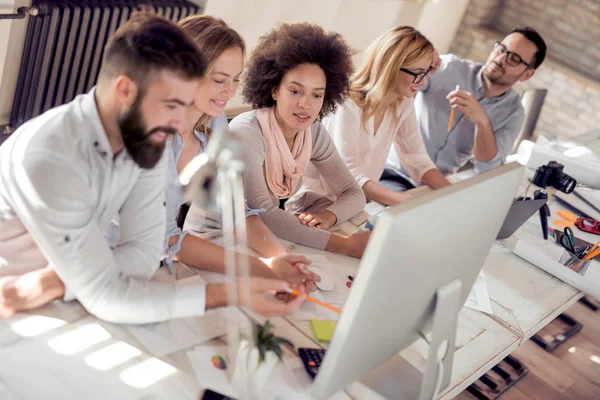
(417, 77)
(512, 59)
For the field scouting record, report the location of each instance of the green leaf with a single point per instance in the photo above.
(277, 350)
(281, 340)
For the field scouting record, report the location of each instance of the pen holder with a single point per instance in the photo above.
(574, 263)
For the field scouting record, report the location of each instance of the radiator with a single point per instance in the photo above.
(63, 49)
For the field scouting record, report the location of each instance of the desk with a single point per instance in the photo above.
(524, 299)
(62, 352)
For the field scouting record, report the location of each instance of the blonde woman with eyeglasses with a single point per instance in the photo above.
(379, 117)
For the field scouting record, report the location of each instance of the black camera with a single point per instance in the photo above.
(553, 175)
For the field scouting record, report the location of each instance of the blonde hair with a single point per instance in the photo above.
(399, 47)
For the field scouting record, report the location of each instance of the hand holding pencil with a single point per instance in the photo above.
(452, 114)
(315, 301)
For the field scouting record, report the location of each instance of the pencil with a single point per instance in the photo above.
(452, 114)
(313, 300)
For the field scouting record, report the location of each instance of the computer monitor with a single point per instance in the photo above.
(418, 268)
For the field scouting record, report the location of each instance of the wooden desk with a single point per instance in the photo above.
(62, 352)
(480, 344)
(524, 299)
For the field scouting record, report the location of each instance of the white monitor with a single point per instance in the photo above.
(419, 266)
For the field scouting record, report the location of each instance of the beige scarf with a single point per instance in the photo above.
(283, 167)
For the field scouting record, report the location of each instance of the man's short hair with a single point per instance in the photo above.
(533, 36)
(148, 43)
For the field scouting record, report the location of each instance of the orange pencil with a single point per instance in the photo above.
(313, 300)
(452, 114)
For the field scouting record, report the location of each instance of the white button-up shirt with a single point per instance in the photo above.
(59, 187)
(365, 151)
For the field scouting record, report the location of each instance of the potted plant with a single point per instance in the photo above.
(256, 358)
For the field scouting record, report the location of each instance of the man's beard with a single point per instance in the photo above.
(145, 152)
(502, 79)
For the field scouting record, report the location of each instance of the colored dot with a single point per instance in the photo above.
(312, 363)
(348, 285)
(219, 362)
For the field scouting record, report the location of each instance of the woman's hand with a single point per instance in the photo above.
(323, 220)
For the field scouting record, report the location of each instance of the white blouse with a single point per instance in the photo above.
(365, 151)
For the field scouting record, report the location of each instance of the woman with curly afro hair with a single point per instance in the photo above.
(379, 115)
(297, 74)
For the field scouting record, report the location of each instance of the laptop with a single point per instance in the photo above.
(518, 214)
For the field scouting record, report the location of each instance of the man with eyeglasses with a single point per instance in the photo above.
(488, 114)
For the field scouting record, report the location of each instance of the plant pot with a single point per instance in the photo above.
(250, 375)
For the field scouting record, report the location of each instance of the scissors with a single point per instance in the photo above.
(568, 240)
(569, 219)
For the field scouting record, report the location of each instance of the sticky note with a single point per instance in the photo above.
(323, 329)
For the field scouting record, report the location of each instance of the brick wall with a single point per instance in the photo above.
(572, 106)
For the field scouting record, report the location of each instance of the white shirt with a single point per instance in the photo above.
(59, 188)
(365, 151)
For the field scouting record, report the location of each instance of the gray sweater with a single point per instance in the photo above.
(350, 197)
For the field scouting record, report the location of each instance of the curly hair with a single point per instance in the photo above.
(289, 45)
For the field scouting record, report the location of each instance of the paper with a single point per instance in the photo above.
(479, 299)
(174, 335)
(210, 364)
(336, 297)
(323, 330)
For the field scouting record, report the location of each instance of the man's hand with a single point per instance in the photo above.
(262, 296)
(293, 268)
(28, 291)
(466, 103)
(436, 61)
(323, 220)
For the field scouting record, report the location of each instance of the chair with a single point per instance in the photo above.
(532, 100)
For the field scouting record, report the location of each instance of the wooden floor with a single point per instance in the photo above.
(572, 371)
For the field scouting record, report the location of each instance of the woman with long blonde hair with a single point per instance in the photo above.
(379, 113)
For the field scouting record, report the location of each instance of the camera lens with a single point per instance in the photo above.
(565, 183)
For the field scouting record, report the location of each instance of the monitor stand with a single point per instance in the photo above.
(398, 379)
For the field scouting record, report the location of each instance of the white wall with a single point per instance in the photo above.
(359, 21)
(12, 37)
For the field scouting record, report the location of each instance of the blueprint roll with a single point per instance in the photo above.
(547, 258)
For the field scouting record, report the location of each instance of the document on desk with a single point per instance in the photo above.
(174, 335)
(336, 297)
(210, 364)
(479, 298)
